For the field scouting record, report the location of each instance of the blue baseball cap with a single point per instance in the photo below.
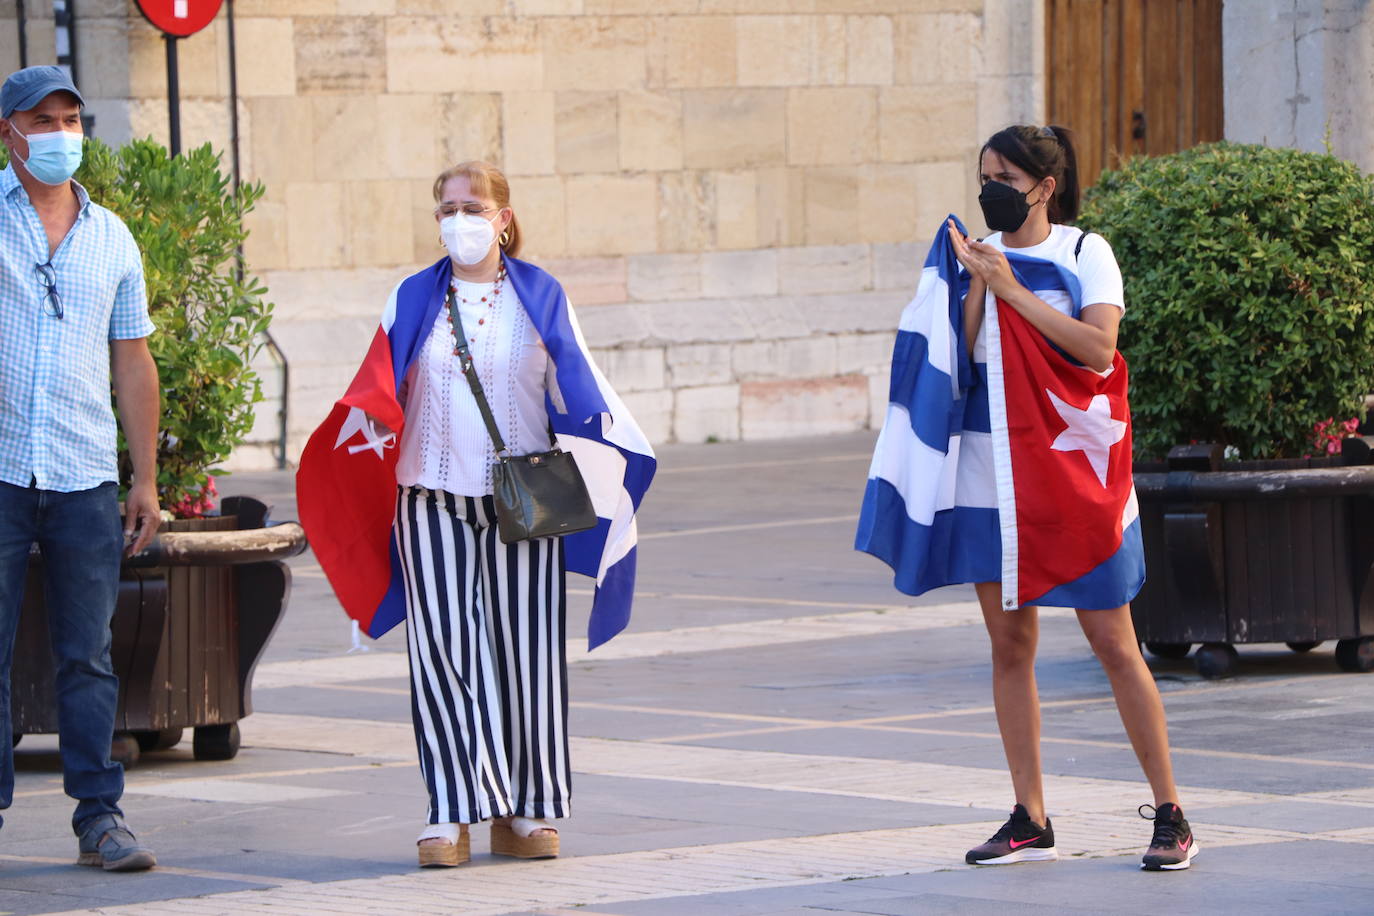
(26, 88)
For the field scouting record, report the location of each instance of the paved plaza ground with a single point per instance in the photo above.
(779, 732)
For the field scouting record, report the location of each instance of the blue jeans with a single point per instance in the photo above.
(82, 537)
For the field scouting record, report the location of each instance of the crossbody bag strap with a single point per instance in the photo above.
(470, 372)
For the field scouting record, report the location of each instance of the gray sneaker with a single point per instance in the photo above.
(107, 843)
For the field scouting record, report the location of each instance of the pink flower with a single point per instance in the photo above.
(1327, 434)
(196, 505)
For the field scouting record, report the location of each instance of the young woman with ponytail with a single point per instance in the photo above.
(1030, 193)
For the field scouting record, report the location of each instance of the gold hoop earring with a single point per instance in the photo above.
(504, 239)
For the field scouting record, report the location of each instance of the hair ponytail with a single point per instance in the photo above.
(1067, 191)
(1043, 152)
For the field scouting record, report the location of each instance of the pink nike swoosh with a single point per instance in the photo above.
(1015, 845)
(1184, 846)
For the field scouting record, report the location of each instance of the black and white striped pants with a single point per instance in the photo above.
(485, 626)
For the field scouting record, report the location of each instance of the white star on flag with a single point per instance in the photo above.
(1092, 431)
(358, 421)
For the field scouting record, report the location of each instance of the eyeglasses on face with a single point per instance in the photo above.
(52, 302)
(447, 210)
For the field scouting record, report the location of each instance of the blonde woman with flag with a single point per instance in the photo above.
(1005, 462)
(396, 492)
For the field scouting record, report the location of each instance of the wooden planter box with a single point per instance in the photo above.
(193, 616)
(1272, 553)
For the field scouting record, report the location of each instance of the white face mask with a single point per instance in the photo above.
(468, 238)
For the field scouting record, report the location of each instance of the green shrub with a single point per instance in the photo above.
(188, 221)
(1249, 294)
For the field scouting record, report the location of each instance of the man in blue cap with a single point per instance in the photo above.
(73, 319)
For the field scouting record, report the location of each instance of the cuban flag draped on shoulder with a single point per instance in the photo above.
(1015, 470)
(346, 485)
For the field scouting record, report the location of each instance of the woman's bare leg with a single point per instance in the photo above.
(1113, 640)
(1014, 636)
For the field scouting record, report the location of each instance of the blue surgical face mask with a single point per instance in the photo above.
(54, 156)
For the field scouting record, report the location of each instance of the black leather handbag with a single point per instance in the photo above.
(539, 495)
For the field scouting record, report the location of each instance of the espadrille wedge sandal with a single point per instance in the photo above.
(520, 837)
(456, 849)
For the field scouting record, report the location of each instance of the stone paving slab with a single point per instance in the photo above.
(778, 733)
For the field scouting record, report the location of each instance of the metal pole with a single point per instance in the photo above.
(173, 96)
(67, 19)
(70, 16)
(280, 356)
(234, 109)
(22, 21)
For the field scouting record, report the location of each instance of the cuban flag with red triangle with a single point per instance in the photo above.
(1015, 470)
(346, 483)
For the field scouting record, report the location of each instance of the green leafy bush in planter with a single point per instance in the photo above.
(1249, 294)
(188, 221)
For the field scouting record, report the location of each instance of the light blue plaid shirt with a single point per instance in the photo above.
(57, 428)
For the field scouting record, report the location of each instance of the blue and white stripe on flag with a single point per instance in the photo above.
(931, 522)
(616, 461)
(1016, 470)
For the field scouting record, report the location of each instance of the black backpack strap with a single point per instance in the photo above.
(1079, 247)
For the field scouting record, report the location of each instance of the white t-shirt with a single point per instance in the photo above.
(445, 444)
(1095, 266)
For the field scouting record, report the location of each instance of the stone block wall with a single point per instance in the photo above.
(39, 34)
(751, 344)
(736, 193)
(1300, 73)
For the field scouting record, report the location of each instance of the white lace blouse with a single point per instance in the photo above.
(445, 444)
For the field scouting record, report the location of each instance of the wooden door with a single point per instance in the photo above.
(1133, 77)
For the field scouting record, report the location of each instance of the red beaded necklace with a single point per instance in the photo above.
(490, 299)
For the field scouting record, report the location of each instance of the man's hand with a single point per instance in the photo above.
(142, 516)
(136, 388)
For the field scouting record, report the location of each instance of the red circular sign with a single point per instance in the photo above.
(180, 17)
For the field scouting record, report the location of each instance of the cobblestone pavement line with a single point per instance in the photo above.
(750, 526)
(488, 890)
(239, 791)
(809, 461)
(866, 777)
(1360, 796)
(364, 666)
(863, 777)
(276, 880)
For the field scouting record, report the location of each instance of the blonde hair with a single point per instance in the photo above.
(486, 181)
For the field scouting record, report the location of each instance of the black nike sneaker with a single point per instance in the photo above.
(1172, 847)
(1020, 840)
